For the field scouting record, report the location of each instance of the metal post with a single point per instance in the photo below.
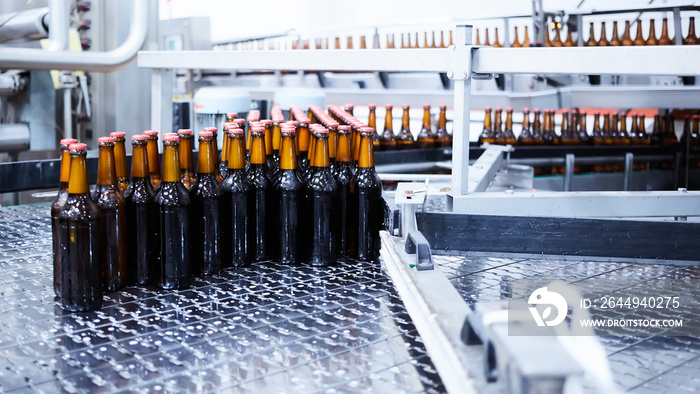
(629, 162)
(162, 100)
(579, 30)
(462, 96)
(569, 171)
(677, 25)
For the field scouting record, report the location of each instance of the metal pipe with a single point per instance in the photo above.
(59, 19)
(67, 114)
(14, 137)
(24, 25)
(415, 177)
(37, 59)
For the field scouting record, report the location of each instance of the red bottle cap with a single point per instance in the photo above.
(499, 109)
(105, 140)
(234, 130)
(117, 134)
(509, 109)
(185, 131)
(443, 106)
(205, 134)
(425, 106)
(212, 129)
(406, 106)
(77, 146)
(389, 106)
(332, 123)
(266, 122)
(257, 129)
(170, 137)
(239, 121)
(344, 128)
(372, 106)
(139, 137)
(526, 109)
(537, 110)
(150, 133)
(231, 114)
(366, 130)
(68, 141)
(487, 109)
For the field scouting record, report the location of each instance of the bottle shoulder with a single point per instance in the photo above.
(139, 192)
(367, 178)
(107, 197)
(79, 207)
(288, 180)
(321, 180)
(206, 186)
(172, 194)
(257, 177)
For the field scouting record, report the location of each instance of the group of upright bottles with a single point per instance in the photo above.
(627, 40)
(426, 139)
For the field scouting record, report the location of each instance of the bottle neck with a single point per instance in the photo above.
(276, 136)
(332, 142)
(498, 123)
(426, 118)
(106, 171)
(268, 140)
(596, 122)
(343, 154)
(236, 153)
(405, 120)
(536, 122)
(78, 183)
(526, 120)
(120, 158)
(139, 162)
(65, 169)
(257, 150)
(606, 122)
(321, 158)
(224, 149)
(205, 160)
(509, 120)
(623, 123)
(366, 159)
(186, 160)
(442, 119)
(303, 139)
(388, 121)
(372, 119)
(153, 159)
(487, 120)
(171, 163)
(288, 157)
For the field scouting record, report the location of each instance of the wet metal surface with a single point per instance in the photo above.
(265, 328)
(641, 364)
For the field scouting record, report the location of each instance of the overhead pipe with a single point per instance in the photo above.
(37, 59)
(25, 25)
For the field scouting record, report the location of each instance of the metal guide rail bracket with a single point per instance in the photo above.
(418, 245)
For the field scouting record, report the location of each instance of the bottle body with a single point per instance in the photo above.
(321, 192)
(112, 225)
(81, 269)
(175, 242)
(405, 138)
(56, 206)
(205, 197)
(289, 196)
(142, 225)
(236, 226)
(366, 197)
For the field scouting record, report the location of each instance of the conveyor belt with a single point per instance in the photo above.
(264, 328)
(640, 364)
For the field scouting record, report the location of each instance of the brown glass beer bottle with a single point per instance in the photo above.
(236, 228)
(56, 206)
(487, 134)
(153, 158)
(426, 138)
(81, 266)
(120, 160)
(387, 138)
(289, 197)
(405, 138)
(174, 204)
(259, 211)
(343, 173)
(443, 139)
(186, 158)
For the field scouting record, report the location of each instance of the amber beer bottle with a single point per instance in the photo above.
(557, 39)
(487, 134)
(623, 136)
(112, 219)
(343, 173)
(174, 213)
(186, 158)
(627, 35)
(387, 138)
(615, 40)
(332, 141)
(366, 204)
(603, 42)
(405, 138)
(141, 218)
(349, 108)
(56, 206)
(153, 158)
(516, 40)
(223, 161)
(525, 137)
(537, 133)
(322, 206)
(215, 144)
(569, 39)
(510, 135)
(120, 160)
(303, 142)
(665, 39)
(657, 131)
(443, 139)
(426, 138)
(372, 122)
(651, 40)
(498, 127)
(565, 136)
(583, 130)
(548, 134)
(259, 210)
(591, 42)
(81, 268)
(639, 39)
(289, 197)
(205, 196)
(236, 228)
(267, 123)
(526, 38)
(691, 38)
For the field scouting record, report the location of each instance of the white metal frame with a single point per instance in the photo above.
(462, 62)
